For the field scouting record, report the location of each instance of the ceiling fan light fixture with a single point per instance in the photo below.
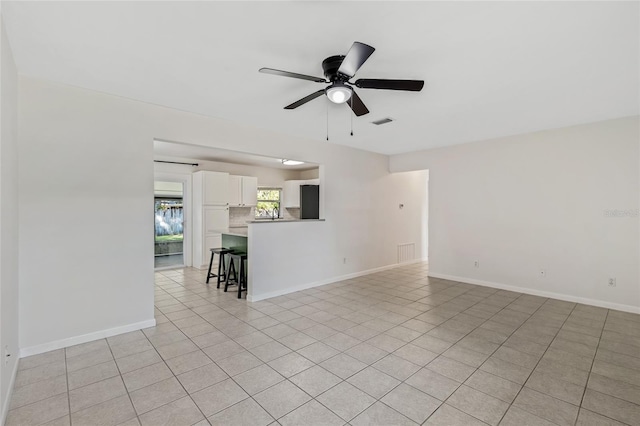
(339, 93)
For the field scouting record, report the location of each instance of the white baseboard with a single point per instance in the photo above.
(71, 341)
(7, 400)
(269, 295)
(533, 292)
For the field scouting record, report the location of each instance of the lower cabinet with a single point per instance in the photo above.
(208, 224)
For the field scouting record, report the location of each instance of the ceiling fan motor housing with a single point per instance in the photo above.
(331, 66)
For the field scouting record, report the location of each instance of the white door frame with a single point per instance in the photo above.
(185, 180)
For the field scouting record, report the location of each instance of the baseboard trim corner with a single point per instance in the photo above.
(84, 338)
(550, 294)
(269, 295)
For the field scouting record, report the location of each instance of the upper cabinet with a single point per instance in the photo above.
(235, 190)
(249, 191)
(243, 191)
(210, 188)
(291, 191)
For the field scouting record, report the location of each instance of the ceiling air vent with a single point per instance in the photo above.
(382, 121)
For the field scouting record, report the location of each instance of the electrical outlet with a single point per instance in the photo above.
(476, 263)
(344, 260)
(543, 273)
(612, 282)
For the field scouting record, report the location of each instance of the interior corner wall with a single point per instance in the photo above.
(8, 220)
(86, 194)
(562, 201)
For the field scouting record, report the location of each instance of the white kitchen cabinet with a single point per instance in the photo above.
(216, 218)
(249, 190)
(210, 209)
(210, 188)
(243, 191)
(291, 194)
(235, 191)
(208, 224)
(291, 191)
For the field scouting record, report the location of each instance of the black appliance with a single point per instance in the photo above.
(309, 201)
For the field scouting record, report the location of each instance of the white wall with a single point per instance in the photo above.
(86, 197)
(8, 220)
(537, 201)
(364, 224)
(167, 189)
(88, 150)
(308, 174)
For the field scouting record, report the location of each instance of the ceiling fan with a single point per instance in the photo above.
(338, 70)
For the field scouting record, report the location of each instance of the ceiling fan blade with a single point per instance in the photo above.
(306, 99)
(376, 83)
(292, 75)
(357, 56)
(357, 105)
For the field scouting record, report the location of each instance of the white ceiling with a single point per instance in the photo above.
(491, 68)
(174, 151)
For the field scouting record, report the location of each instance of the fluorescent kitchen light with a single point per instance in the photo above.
(291, 162)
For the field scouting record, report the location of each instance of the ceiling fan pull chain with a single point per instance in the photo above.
(351, 115)
(327, 121)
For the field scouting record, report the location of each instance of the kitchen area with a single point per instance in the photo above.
(224, 205)
(226, 193)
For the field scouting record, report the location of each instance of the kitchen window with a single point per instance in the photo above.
(268, 206)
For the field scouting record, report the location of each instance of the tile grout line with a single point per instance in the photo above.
(593, 361)
(123, 382)
(66, 377)
(590, 372)
(536, 366)
(500, 346)
(212, 360)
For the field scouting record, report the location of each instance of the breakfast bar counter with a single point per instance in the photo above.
(235, 239)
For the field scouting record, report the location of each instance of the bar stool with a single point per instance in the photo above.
(222, 269)
(240, 258)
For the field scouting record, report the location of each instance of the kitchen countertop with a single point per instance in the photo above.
(240, 231)
(285, 220)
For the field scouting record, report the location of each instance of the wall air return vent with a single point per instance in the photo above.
(382, 121)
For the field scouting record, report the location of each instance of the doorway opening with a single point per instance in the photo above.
(169, 225)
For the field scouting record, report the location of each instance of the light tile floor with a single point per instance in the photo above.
(392, 348)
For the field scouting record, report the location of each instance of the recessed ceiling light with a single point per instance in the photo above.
(291, 162)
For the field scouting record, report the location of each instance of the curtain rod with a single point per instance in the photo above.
(175, 162)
